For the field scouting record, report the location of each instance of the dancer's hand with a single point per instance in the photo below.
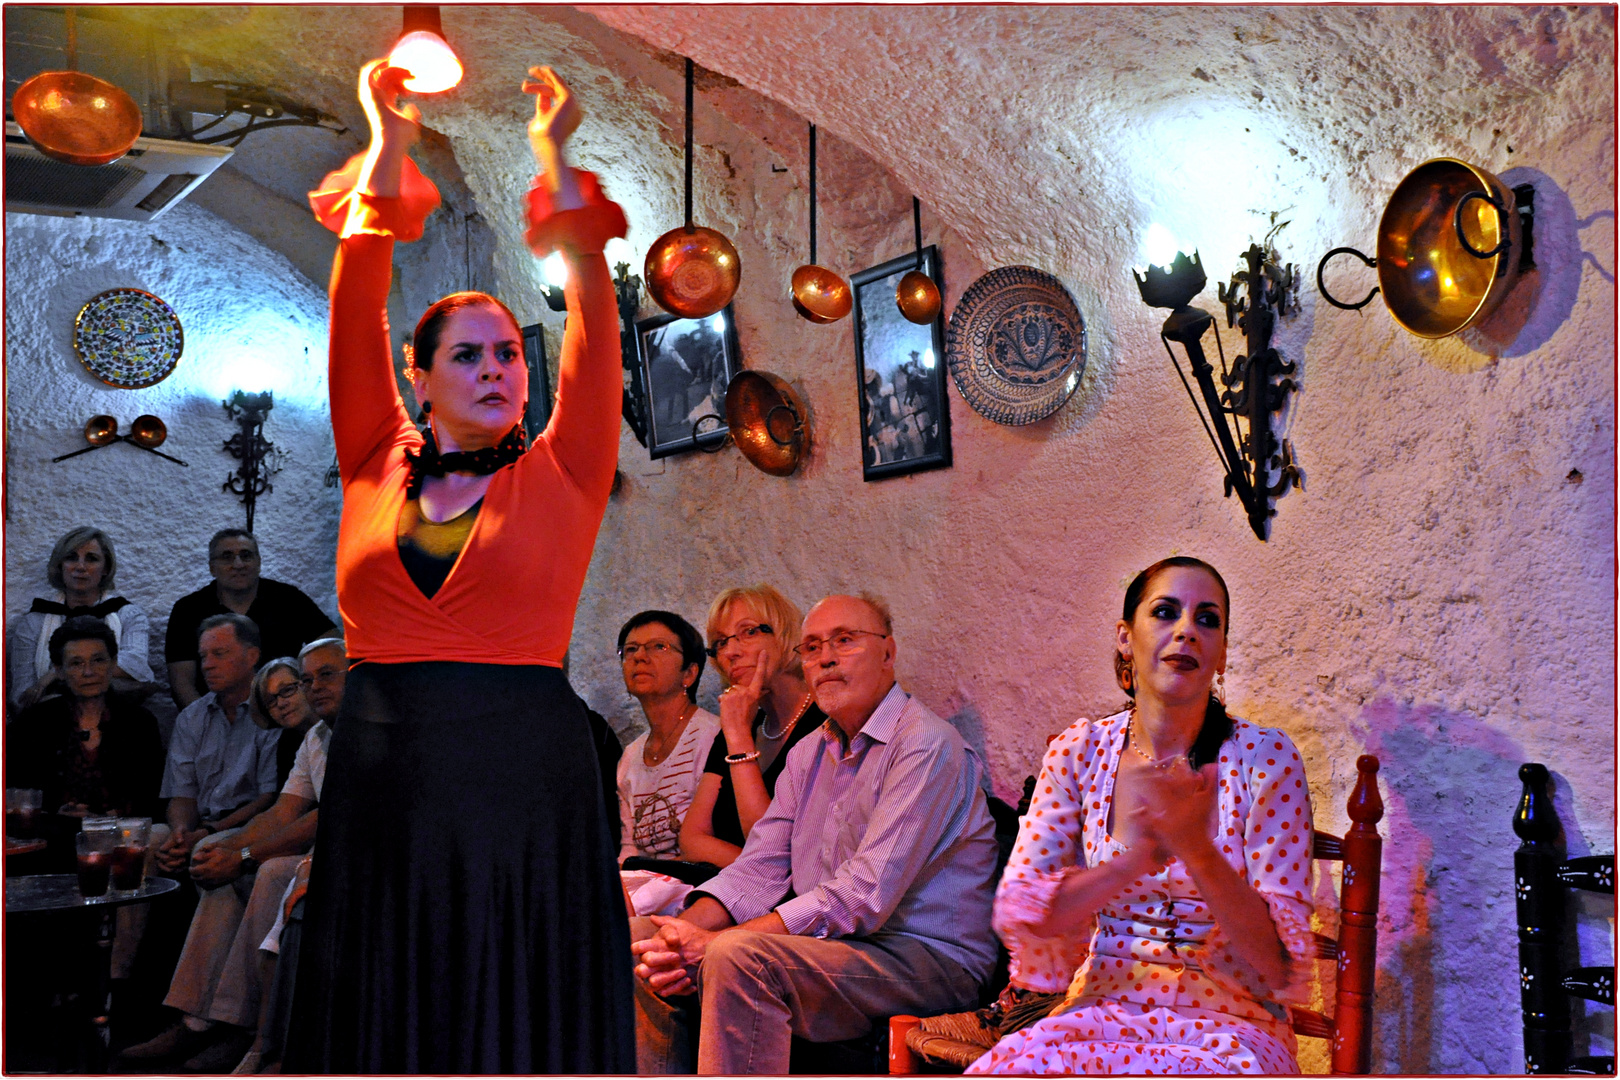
(393, 127)
(556, 118)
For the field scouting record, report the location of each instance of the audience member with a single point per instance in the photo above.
(222, 980)
(862, 892)
(287, 619)
(221, 769)
(764, 710)
(661, 656)
(81, 569)
(278, 703)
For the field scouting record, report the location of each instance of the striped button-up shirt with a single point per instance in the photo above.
(221, 761)
(887, 833)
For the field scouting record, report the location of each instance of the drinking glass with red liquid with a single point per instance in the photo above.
(22, 812)
(95, 849)
(129, 855)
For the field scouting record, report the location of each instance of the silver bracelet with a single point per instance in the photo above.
(739, 759)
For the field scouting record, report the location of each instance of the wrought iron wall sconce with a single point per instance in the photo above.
(260, 460)
(627, 286)
(1256, 384)
(146, 432)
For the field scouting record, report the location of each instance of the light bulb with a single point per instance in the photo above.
(555, 270)
(1161, 246)
(718, 323)
(928, 359)
(430, 60)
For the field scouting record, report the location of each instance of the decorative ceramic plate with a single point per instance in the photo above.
(128, 338)
(1016, 345)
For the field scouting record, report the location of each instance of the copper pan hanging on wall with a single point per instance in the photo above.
(73, 117)
(1451, 245)
(692, 271)
(818, 293)
(766, 420)
(916, 295)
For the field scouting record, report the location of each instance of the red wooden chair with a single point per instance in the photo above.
(1355, 952)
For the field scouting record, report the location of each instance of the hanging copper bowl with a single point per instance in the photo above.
(148, 431)
(692, 271)
(1451, 245)
(101, 430)
(918, 297)
(76, 118)
(767, 421)
(820, 295)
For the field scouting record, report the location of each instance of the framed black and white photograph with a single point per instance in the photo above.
(686, 365)
(900, 374)
(538, 414)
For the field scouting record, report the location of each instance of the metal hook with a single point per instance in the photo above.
(1321, 287)
(697, 435)
(1501, 227)
(795, 430)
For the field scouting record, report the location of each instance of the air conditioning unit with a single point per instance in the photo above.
(141, 185)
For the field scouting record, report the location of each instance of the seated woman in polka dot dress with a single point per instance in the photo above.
(1162, 872)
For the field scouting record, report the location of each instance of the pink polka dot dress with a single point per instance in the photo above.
(1152, 984)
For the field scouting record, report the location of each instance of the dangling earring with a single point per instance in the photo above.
(1127, 677)
(1219, 688)
(427, 410)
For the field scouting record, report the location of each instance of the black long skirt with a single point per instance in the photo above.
(465, 913)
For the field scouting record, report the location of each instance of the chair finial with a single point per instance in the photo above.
(1366, 806)
(1535, 821)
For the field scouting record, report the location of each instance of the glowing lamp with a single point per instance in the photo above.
(423, 51)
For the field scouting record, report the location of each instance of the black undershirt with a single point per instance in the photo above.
(429, 549)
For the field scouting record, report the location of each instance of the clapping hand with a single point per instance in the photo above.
(1176, 809)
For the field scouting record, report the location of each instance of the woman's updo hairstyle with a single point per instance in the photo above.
(425, 338)
(1217, 725)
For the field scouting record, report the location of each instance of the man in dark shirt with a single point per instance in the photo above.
(287, 619)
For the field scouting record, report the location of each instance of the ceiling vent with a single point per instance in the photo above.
(141, 185)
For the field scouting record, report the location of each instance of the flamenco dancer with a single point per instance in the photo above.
(465, 914)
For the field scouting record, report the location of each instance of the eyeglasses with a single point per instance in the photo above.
(843, 643)
(308, 680)
(287, 693)
(655, 650)
(235, 556)
(747, 633)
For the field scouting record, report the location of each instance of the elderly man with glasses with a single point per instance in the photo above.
(863, 892)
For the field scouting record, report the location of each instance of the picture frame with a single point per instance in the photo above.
(686, 365)
(541, 396)
(900, 377)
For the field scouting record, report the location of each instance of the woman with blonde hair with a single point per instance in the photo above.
(765, 709)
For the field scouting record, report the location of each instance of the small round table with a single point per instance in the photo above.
(36, 893)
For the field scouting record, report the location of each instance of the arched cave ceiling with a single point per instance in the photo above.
(1050, 135)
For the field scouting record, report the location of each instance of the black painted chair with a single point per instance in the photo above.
(1542, 877)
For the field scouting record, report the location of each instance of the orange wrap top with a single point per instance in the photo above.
(511, 596)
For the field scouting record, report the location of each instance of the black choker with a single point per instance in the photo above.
(429, 462)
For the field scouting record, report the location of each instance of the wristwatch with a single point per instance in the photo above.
(249, 863)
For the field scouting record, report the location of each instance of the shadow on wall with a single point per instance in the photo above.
(1451, 786)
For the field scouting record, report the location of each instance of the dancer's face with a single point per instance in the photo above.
(478, 383)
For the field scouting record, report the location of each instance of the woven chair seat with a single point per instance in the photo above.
(956, 1040)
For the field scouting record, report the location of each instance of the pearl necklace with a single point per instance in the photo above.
(804, 707)
(1136, 745)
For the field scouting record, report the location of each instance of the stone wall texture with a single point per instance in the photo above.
(1440, 593)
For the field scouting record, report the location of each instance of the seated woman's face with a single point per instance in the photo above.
(285, 696)
(1177, 639)
(747, 647)
(478, 382)
(84, 568)
(651, 662)
(86, 668)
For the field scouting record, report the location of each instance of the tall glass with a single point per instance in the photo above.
(22, 812)
(129, 854)
(95, 849)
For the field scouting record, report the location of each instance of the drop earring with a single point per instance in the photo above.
(1219, 688)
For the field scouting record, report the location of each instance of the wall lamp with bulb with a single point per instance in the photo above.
(1269, 289)
(423, 51)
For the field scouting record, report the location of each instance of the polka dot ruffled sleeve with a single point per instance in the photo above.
(1050, 846)
(1272, 810)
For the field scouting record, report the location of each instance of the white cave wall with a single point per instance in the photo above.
(1439, 594)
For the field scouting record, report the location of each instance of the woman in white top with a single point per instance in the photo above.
(81, 570)
(662, 658)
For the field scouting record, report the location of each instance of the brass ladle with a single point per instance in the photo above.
(917, 296)
(819, 294)
(74, 117)
(692, 271)
(146, 432)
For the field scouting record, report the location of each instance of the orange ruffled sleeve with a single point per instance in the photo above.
(334, 203)
(584, 231)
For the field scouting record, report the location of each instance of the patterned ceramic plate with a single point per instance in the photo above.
(1016, 345)
(128, 338)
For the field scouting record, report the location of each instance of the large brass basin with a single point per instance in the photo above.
(692, 271)
(767, 421)
(77, 118)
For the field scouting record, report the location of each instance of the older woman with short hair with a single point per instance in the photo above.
(81, 569)
(765, 709)
(278, 700)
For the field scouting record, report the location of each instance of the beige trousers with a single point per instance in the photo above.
(757, 991)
